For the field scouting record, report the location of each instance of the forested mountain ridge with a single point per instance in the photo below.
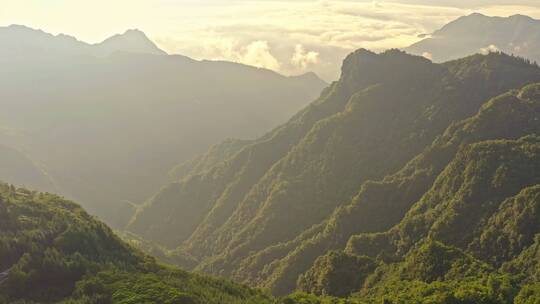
(381, 204)
(55, 252)
(115, 117)
(473, 235)
(264, 214)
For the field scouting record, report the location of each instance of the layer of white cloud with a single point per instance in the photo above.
(489, 49)
(427, 55)
(302, 58)
(258, 54)
(303, 35)
(325, 30)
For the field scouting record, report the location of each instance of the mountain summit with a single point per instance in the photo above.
(19, 38)
(134, 41)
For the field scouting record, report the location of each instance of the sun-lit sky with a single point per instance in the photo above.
(287, 36)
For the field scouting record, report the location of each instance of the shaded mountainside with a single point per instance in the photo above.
(381, 204)
(56, 252)
(265, 212)
(477, 33)
(113, 122)
(18, 169)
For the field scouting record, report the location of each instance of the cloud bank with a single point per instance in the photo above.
(316, 35)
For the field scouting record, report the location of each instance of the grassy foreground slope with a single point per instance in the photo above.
(56, 252)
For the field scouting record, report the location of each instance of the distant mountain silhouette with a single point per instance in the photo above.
(476, 33)
(110, 120)
(133, 41)
(19, 38)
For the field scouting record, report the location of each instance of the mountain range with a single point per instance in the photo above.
(477, 33)
(406, 181)
(115, 117)
(354, 161)
(455, 219)
(23, 41)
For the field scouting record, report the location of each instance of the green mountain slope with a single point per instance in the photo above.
(472, 238)
(478, 221)
(381, 204)
(56, 252)
(244, 216)
(469, 191)
(486, 182)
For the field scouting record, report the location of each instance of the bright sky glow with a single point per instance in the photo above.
(291, 37)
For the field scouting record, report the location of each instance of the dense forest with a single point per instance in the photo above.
(357, 160)
(471, 237)
(56, 252)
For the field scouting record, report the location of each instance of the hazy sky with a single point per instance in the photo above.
(288, 36)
